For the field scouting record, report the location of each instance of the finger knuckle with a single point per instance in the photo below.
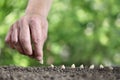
(36, 41)
(23, 20)
(34, 21)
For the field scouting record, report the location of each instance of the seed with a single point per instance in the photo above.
(63, 67)
(91, 67)
(101, 66)
(41, 61)
(73, 66)
(52, 66)
(110, 67)
(81, 66)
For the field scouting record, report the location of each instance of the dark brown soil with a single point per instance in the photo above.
(48, 73)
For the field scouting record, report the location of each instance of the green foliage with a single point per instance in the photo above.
(85, 31)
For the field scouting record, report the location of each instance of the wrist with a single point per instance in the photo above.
(41, 13)
(39, 7)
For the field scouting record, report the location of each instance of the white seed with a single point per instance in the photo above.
(52, 66)
(73, 66)
(110, 67)
(81, 66)
(41, 61)
(101, 66)
(91, 67)
(63, 67)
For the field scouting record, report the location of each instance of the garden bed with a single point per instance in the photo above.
(57, 73)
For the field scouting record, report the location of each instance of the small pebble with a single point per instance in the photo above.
(63, 67)
(73, 66)
(101, 66)
(82, 66)
(91, 67)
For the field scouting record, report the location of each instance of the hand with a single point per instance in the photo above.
(28, 35)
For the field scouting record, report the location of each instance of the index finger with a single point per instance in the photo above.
(36, 35)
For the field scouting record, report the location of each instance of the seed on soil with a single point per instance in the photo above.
(52, 66)
(110, 67)
(56, 73)
(82, 66)
(41, 61)
(63, 67)
(91, 67)
(73, 66)
(101, 66)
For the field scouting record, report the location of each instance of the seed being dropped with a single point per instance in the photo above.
(101, 66)
(41, 61)
(91, 67)
(63, 67)
(73, 66)
(81, 66)
(52, 66)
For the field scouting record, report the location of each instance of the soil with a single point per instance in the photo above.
(56, 73)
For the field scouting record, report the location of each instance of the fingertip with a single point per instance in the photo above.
(28, 52)
(39, 55)
(14, 42)
(7, 40)
(39, 58)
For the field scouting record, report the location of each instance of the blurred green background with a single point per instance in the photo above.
(80, 32)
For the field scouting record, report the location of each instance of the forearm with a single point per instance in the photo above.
(39, 7)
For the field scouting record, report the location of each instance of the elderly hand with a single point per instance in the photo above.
(28, 35)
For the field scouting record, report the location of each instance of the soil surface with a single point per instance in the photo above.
(56, 73)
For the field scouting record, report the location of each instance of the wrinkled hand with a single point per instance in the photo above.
(28, 35)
